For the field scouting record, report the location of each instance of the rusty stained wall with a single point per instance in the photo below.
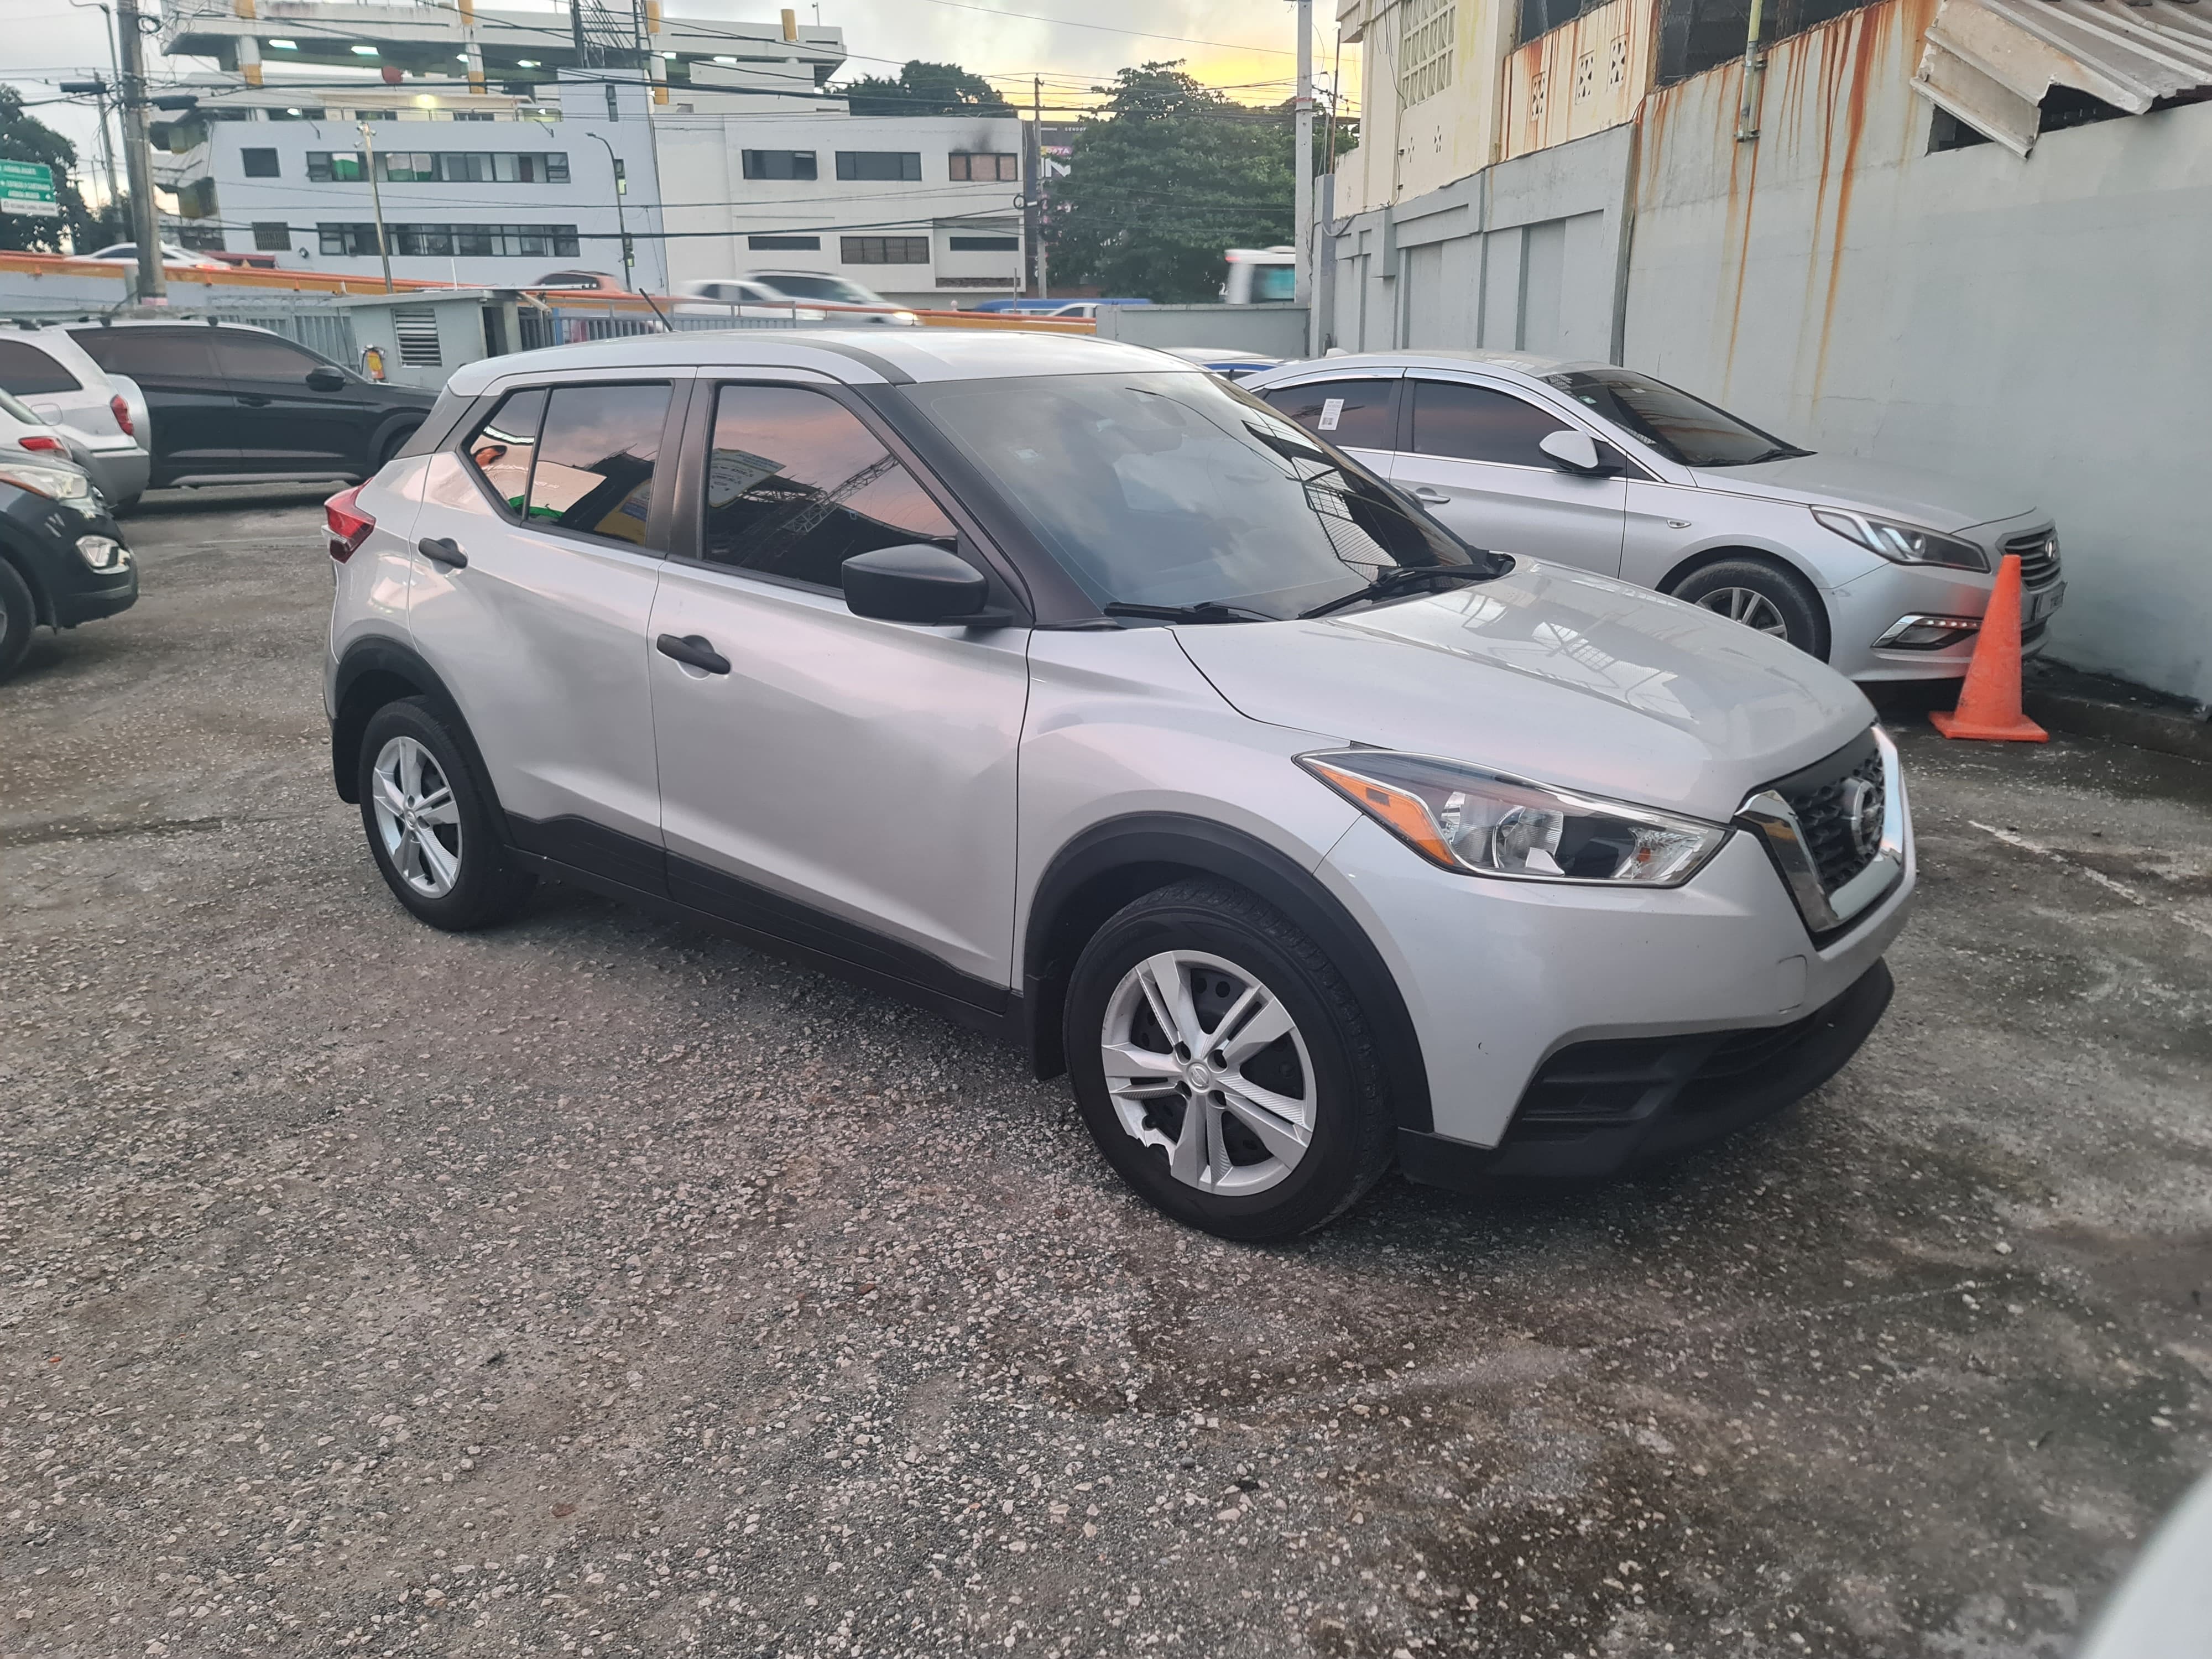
(1579, 79)
(2038, 325)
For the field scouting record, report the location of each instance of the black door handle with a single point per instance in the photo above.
(252, 401)
(692, 649)
(440, 549)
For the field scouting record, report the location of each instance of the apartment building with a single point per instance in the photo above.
(924, 209)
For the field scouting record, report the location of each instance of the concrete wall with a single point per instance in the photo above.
(1277, 331)
(1523, 256)
(1409, 151)
(2041, 325)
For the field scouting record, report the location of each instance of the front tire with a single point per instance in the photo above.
(431, 831)
(1764, 596)
(1224, 1066)
(19, 615)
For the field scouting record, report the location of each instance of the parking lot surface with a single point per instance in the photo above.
(596, 1285)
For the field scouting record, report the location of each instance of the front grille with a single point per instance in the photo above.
(2039, 556)
(1826, 809)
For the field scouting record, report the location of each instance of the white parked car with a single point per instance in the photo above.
(1881, 571)
(101, 418)
(1060, 687)
(847, 302)
(734, 297)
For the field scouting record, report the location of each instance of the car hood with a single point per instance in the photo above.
(1550, 674)
(1931, 500)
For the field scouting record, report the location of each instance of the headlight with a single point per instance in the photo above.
(1488, 824)
(49, 481)
(1901, 544)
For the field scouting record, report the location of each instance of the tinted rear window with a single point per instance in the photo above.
(1349, 414)
(596, 458)
(27, 371)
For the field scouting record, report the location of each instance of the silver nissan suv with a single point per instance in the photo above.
(1060, 688)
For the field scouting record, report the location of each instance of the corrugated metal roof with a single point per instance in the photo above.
(1990, 62)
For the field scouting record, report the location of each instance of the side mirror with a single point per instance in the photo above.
(323, 378)
(1576, 452)
(915, 582)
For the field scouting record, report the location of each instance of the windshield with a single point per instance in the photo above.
(1176, 490)
(825, 287)
(1686, 430)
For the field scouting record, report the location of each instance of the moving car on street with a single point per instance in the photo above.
(126, 253)
(63, 560)
(734, 297)
(237, 405)
(1881, 571)
(101, 419)
(847, 303)
(1060, 687)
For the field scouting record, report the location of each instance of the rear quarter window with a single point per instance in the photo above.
(28, 371)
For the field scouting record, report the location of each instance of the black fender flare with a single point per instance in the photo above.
(1111, 863)
(372, 672)
(42, 603)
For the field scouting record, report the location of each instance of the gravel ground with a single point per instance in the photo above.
(596, 1285)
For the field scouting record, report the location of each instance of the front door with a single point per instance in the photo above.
(1472, 460)
(844, 783)
(555, 504)
(286, 422)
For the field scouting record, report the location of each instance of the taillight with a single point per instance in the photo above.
(35, 443)
(121, 413)
(349, 524)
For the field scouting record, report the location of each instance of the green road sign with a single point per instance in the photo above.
(28, 187)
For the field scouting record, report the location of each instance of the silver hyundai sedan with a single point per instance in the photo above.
(1057, 686)
(1881, 571)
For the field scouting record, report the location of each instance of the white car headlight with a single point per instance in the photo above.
(1485, 824)
(1903, 544)
(49, 481)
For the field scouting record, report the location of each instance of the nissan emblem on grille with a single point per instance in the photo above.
(1862, 810)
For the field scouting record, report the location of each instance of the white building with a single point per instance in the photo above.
(924, 209)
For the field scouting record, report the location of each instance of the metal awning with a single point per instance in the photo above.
(1990, 62)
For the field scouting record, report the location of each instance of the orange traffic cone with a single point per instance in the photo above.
(1989, 706)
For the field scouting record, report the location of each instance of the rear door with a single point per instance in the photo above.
(1471, 458)
(286, 422)
(556, 503)
(1356, 413)
(190, 408)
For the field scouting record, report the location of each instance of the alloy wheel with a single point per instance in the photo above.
(1749, 606)
(1205, 1063)
(416, 817)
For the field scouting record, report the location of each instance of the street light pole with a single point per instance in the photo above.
(376, 202)
(1303, 218)
(622, 223)
(145, 224)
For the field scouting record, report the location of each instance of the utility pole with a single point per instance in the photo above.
(1303, 237)
(376, 202)
(1032, 181)
(145, 224)
(622, 223)
(1036, 126)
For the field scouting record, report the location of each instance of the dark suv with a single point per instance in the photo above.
(63, 561)
(234, 404)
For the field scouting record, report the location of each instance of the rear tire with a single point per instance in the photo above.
(433, 833)
(1763, 595)
(1277, 1119)
(19, 615)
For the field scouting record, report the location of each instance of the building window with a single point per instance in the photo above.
(258, 163)
(784, 244)
(453, 241)
(780, 164)
(893, 165)
(986, 244)
(466, 167)
(333, 166)
(1425, 31)
(271, 236)
(976, 169)
(884, 250)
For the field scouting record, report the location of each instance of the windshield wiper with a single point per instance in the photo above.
(1403, 579)
(1206, 611)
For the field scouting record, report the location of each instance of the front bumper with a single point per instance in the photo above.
(1498, 977)
(1863, 610)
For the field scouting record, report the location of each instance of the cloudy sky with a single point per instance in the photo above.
(1245, 45)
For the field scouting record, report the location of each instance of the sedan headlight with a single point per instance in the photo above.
(1902, 543)
(48, 481)
(1485, 824)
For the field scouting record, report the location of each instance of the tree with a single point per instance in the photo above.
(1165, 177)
(23, 138)
(924, 89)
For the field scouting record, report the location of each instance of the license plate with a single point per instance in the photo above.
(2042, 603)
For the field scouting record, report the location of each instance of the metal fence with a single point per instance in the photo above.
(330, 332)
